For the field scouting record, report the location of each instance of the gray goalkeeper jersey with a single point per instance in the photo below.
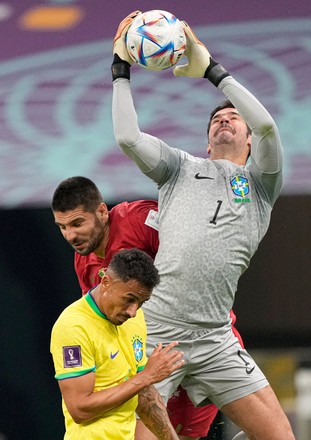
(212, 213)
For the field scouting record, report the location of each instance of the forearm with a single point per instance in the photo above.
(155, 159)
(251, 110)
(124, 115)
(152, 411)
(266, 148)
(84, 406)
(145, 152)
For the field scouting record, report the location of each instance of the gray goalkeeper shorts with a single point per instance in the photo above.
(216, 370)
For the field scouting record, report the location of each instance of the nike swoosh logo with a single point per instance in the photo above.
(113, 355)
(250, 370)
(197, 176)
(247, 368)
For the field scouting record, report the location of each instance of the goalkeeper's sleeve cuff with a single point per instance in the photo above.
(120, 68)
(215, 73)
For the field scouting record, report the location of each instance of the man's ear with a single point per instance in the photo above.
(102, 210)
(208, 149)
(249, 144)
(249, 141)
(105, 281)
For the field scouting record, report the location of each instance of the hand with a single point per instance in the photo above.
(162, 362)
(197, 54)
(119, 44)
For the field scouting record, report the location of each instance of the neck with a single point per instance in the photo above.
(237, 160)
(101, 250)
(96, 296)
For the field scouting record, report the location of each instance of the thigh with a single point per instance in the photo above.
(160, 332)
(227, 376)
(186, 418)
(260, 416)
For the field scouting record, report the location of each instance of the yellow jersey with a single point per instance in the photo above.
(83, 340)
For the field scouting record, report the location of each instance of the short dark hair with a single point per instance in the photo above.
(134, 264)
(224, 104)
(76, 191)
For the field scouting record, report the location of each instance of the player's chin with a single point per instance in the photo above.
(81, 249)
(119, 320)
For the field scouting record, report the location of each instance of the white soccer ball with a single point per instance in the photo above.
(156, 40)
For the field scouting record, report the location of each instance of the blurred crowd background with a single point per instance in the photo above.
(55, 122)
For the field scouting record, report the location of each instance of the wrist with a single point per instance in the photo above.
(120, 68)
(142, 380)
(215, 72)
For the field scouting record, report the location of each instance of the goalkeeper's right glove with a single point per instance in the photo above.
(200, 63)
(121, 59)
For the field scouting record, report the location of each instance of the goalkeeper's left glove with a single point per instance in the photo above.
(122, 61)
(200, 63)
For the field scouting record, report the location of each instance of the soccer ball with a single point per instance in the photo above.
(156, 40)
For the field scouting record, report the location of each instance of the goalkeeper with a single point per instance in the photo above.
(213, 214)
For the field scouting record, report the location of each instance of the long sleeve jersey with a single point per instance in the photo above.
(212, 213)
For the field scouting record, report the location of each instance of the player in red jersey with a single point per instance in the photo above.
(96, 234)
(130, 225)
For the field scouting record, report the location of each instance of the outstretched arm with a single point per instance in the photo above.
(266, 149)
(155, 159)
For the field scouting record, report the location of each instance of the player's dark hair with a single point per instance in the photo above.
(224, 104)
(134, 264)
(76, 191)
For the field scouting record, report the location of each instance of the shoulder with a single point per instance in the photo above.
(189, 157)
(129, 210)
(71, 315)
(137, 205)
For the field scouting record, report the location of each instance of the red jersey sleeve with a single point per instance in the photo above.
(143, 216)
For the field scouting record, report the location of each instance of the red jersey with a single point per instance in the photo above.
(131, 225)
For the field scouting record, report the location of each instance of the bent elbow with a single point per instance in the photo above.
(77, 420)
(126, 140)
(126, 135)
(79, 416)
(267, 130)
(123, 143)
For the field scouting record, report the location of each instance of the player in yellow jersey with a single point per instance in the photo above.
(98, 345)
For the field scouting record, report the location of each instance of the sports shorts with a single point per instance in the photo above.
(185, 417)
(217, 368)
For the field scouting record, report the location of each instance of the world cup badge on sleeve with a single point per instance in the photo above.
(72, 356)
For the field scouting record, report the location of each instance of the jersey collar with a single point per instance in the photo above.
(91, 302)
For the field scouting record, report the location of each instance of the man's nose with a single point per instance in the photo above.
(132, 310)
(224, 120)
(69, 234)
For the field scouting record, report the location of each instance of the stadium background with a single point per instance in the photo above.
(55, 122)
